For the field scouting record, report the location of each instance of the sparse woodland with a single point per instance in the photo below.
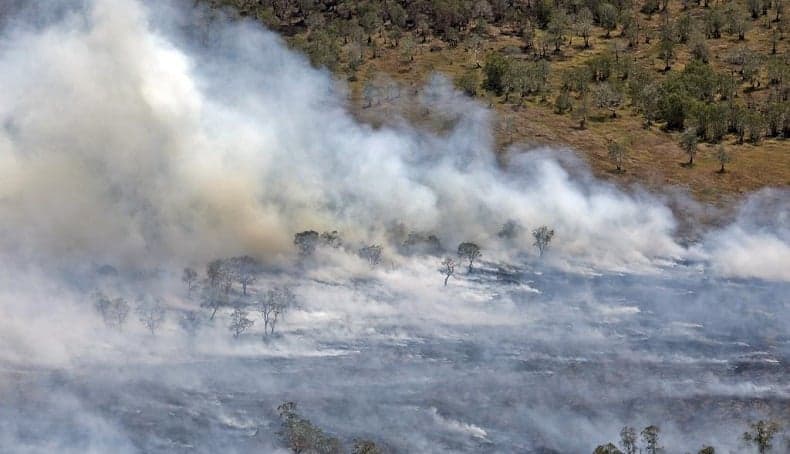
(642, 75)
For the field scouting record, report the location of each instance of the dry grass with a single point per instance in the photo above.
(654, 160)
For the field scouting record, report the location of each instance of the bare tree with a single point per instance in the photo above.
(650, 437)
(306, 242)
(543, 236)
(761, 435)
(151, 313)
(273, 306)
(239, 323)
(447, 269)
(470, 252)
(371, 253)
(628, 440)
(189, 277)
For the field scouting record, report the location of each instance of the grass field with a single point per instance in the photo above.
(655, 159)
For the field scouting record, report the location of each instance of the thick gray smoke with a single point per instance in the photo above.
(133, 134)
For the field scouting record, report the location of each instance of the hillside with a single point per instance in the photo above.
(734, 96)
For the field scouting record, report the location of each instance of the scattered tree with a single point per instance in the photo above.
(470, 252)
(245, 270)
(723, 157)
(302, 436)
(543, 236)
(371, 253)
(273, 305)
(510, 230)
(688, 141)
(189, 278)
(761, 435)
(306, 242)
(628, 440)
(151, 313)
(608, 448)
(113, 311)
(447, 269)
(190, 322)
(650, 437)
(239, 323)
(617, 152)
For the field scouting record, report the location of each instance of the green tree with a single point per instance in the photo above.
(563, 102)
(688, 141)
(607, 17)
(584, 25)
(495, 69)
(666, 46)
(468, 82)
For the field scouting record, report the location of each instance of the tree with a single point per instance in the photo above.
(557, 27)
(607, 17)
(543, 236)
(510, 230)
(239, 323)
(151, 313)
(302, 436)
(723, 157)
(331, 239)
(468, 82)
(666, 47)
(688, 141)
(761, 435)
(584, 25)
(189, 277)
(495, 69)
(582, 111)
(608, 96)
(563, 102)
(470, 252)
(650, 437)
(707, 450)
(214, 272)
(365, 447)
(617, 152)
(245, 270)
(213, 298)
(113, 311)
(190, 322)
(273, 306)
(371, 253)
(306, 242)
(447, 269)
(628, 440)
(608, 448)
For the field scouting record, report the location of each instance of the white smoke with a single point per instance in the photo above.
(120, 145)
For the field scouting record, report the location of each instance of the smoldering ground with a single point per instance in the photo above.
(139, 137)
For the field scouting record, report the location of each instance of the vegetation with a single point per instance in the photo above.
(645, 63)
